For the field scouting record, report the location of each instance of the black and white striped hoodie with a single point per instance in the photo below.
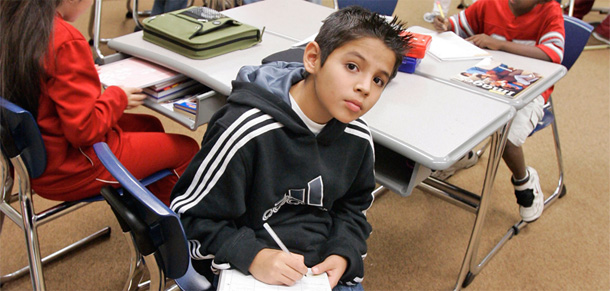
(260, 163)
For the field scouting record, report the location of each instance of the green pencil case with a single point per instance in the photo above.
(199, 32)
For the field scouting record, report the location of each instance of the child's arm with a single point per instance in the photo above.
(85, 112)
(488, 42)
(277, 267)
(208, 197)
(350, 229)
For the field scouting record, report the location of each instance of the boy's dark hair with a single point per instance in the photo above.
(355, 22)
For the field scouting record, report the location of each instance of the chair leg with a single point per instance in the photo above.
(102, 233)
(560, 189)
(157, 275)
(6, 186)
(29, 223)
(136, 268)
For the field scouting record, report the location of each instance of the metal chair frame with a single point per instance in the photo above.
(95, 27)
(15, 166)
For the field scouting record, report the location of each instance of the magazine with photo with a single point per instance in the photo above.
(496, 77)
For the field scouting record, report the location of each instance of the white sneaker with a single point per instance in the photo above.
(467, 161)
(429, 17)
(531, 187)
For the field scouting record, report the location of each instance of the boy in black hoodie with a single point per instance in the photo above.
(289, 149)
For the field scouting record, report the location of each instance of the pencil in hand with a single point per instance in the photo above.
(440, 10)
(440, 20)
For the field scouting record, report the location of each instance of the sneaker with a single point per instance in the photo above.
(525, 192)
(429, 17)
(467, 161)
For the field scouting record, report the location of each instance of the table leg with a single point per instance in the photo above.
(470, 266)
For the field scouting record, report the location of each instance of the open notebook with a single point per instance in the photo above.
(448, 46)
(234, 280)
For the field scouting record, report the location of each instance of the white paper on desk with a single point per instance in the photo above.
(448, 46)
(234, 280)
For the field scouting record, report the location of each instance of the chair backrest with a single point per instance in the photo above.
(577, 35)
(155, 227)
(383, 7)
(21, 137)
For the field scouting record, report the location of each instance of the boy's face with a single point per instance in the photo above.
(351, 80)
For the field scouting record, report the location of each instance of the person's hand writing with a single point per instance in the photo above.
(485, 41)
(277, 267)
(441, 24)
(135, 97)
(334, 266)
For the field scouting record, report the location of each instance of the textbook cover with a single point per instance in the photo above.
(496, 77)
(188, 105)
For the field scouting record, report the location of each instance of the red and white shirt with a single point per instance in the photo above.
(541, 27)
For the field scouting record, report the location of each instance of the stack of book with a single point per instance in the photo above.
(159, 83)
(186, 107)
(172, 89)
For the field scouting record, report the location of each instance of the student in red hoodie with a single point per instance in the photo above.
(47, 68)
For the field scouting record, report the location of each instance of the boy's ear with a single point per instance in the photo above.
(311, 57)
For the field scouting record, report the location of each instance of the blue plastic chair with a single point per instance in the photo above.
(22, 158)
(157, 236)
(23, 152)
(383, 7)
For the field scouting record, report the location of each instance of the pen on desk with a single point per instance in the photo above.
(276, 238)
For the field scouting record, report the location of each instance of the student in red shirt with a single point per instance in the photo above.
(531, 28)
(47, 68)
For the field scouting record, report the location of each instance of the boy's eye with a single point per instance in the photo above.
(352, 67)
(379, 81)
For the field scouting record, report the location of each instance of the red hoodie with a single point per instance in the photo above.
(74, 114)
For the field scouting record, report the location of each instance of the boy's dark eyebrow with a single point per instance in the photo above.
(358, 55)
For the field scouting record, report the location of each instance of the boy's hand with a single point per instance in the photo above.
(334, 266)
(485, 41)
(135, 97)
(441, 24)
(277, 267)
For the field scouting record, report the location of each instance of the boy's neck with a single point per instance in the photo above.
(519, 12)
(304, 94)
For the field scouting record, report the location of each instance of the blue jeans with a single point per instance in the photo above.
(349, 288)
(162, 6)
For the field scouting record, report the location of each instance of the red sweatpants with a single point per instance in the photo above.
(146, 149)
